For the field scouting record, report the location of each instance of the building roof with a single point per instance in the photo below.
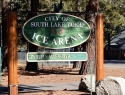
(117, 41)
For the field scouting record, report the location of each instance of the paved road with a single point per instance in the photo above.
(115, 63)
(41, 87)
(60, 86)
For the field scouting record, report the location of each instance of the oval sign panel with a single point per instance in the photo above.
(56, 30)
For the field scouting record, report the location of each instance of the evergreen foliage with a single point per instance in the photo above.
(113, 10)
(114, 16)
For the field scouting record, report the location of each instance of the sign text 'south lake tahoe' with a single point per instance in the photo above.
(56, 30)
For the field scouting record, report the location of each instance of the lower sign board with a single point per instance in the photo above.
(56, 56)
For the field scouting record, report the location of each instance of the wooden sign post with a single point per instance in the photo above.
(12, 54)
(99, 48)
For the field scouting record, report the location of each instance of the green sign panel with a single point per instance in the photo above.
(56, 30)
(56, 56)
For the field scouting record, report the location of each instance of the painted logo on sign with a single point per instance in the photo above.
(56, 30)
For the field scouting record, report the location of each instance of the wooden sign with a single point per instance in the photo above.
(56, 30)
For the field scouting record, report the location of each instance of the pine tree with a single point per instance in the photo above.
(89, 46)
